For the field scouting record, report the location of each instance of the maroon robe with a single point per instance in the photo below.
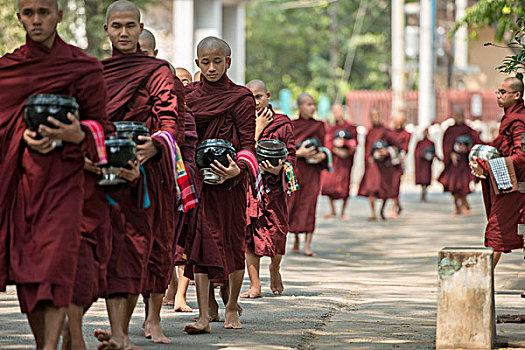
(143, 89)
(377, 179)
(302, 204)
(506, 211)
(402, 139)
(226, 111)
(336, 184)
(42, 194)
(423, 166)
(268, 220)
(456, 178)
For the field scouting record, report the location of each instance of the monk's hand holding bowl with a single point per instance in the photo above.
(476, 168)
(147, 150)
(129, 175)
(71, 133)
(43, 146)
(305, 152)
(318, 157)
(339, 142)
(91, 167)
(267, 167)
(454, 157)
(225, 173)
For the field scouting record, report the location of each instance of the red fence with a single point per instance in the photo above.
(361, 102)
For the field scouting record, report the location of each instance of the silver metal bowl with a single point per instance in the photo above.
(484, 152)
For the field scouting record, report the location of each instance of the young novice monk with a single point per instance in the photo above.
(268, 220)
(226, 111)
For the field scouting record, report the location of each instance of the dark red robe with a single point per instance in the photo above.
(42, 195)
(226, 111)
(506, 211)
(377, 179)
(268, 220)
(402, 139)
(423, 166)
(143, 89)
(456, 178)
(302, 204)
(336, 184)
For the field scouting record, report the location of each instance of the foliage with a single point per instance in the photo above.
(515, 63)
(82, 25)
(290, 48)
(501, 14)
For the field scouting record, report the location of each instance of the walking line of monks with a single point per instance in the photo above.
(66, 241)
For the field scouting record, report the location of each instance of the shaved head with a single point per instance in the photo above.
(212, 43)
(304, 97)
(515, 84)
(148, 38)
(257, 85)
(184, 75)
(54, 3)
(122, 6)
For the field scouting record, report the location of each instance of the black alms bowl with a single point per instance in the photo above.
(120, 151)
(429, 153)
(39, 107)
(272, 151)
(131, 130)
(209, 150)
(343, 134)
(311, 142)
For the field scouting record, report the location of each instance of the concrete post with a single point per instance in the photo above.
(398, 55)
(234, 32)
(427, 96)
(466, 314)
(182, 27)
(208, 21)
(461, 38)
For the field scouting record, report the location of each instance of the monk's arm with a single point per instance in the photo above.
(517, 155)
(289, 141)
(244, 120)
(161, 87)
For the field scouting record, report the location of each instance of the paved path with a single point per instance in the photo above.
(372, 286)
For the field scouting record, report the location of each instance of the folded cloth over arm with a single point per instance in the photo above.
(503, 175)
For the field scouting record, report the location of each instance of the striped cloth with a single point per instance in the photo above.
(289, 172)
(98, 135)
(501, 173)
(248, 157)
(186, 192)
(328, 158)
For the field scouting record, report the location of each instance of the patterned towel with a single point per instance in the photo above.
(248, 157)
(328, 158)
(501, 174)
(289, 172)
(185, 190)
(98, 136)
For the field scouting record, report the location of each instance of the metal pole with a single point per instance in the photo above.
(461, 38)
(427, 98)
(398, 55)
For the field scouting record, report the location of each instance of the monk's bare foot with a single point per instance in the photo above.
(199, 327)
(252, 293)
(102, 335)
(309, 253)
(111, 344)
(455, 213)
(372, 218)
(157, 336)
(166, 302)
(231, 319)
(276, 282)
(181, 306)
(393, 214)
(329, 215)
(345, 217)
(465, 211)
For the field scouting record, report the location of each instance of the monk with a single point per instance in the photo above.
(341, 139)
(507, 209)
(424, 155)
(377, 179)
(148, 44)
(184, 75)
(43, 186)
(268, 221)
(310, 163)
(142, 89)
(456, 177)
(402, 139)
(197, 76)
(215, 253)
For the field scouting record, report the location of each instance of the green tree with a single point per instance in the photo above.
(82, 25)
(290, 47)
